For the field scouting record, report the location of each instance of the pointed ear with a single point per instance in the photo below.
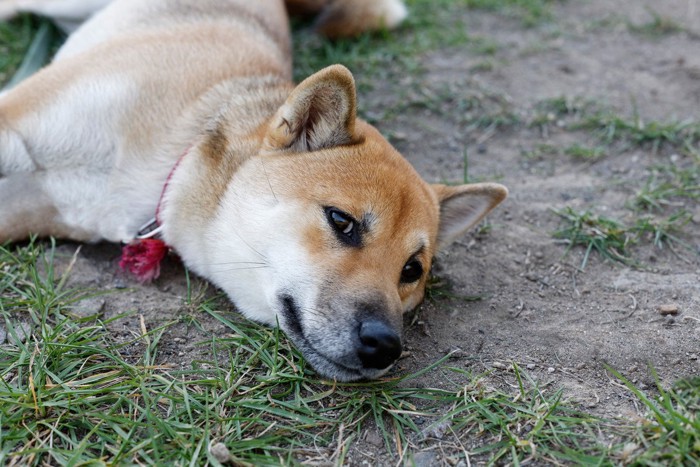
(319, 113)
(462, 207)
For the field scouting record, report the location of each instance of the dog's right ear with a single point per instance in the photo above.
(319, 113)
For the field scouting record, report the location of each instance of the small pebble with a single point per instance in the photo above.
(693, 356)
(551, 370)
(374, 438)
(668, 309)
(21, 330)
(436, 430)
(499, 365)
(220, 452)
(89, 307)
(531, 366)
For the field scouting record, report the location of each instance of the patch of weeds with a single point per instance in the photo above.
(540, 151)
(437, 288)
(606, 236)
(484, 45)
(530, 12)
(612, 128)
(671, 435)
(519, 428)
(28, 279)
(669, 186)
(483, 66)
(580, 151)
(552, 111)
(658, 26)
(576, 150)
(611, 238)
(664, 197)
(663, 231)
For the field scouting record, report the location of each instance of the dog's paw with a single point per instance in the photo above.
(348, 18)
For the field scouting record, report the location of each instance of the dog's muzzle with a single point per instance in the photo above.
(343, 351)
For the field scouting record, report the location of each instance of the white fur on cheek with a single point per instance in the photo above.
(254, 253)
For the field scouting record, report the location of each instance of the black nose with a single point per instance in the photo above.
(380, 346)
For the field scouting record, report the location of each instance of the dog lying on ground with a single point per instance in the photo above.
(278, 194)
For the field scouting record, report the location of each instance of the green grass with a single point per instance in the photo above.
(671, 435)
(74, 394)
(669, 186)
(635, 132)
(613, 239)
(15, 38)
(530, 12)
(28, 44)
(605, 236)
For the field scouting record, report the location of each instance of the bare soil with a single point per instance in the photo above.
(538, 308)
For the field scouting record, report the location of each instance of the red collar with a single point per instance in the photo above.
(142, 257)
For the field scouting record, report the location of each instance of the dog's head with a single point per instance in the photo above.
(330, 232)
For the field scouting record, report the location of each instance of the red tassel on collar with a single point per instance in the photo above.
(142, 258)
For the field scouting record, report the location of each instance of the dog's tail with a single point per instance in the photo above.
(347, 18)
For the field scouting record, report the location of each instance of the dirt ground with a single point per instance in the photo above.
(541, 311)
(538, 308)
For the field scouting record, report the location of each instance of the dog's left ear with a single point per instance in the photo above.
(463, 206)
(319, 113)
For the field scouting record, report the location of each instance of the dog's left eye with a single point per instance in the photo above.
(411, 272)
(344, 226)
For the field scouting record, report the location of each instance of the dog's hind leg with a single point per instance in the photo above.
(14, 156)
(347, 18)
(39, 196)
(26, 209)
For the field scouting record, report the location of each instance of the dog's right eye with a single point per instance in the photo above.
(344, 225)
(412, 271)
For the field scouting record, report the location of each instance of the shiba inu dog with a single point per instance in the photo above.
(278, 194)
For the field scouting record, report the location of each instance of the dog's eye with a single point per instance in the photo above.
(412, 271)
(344, 226)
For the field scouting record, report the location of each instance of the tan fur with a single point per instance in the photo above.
(278, 194)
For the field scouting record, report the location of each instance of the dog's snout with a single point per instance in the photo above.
(380, 346)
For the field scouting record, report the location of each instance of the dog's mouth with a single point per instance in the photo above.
(325, 365)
